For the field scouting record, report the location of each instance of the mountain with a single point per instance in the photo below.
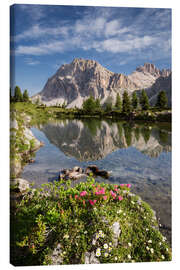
(74, 82)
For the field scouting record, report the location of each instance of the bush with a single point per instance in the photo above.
(79, 219)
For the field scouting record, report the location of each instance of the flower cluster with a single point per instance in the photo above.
(99, 193)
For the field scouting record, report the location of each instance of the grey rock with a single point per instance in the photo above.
(90, 258)
(116, 231)
(21, 184)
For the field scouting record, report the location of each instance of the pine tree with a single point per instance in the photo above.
(25, 96)
(89, 105)
(144, 100)
(118, 104)
(134, 101)
(97, 104)
(126, 107)
(162, 100)
(18, 95)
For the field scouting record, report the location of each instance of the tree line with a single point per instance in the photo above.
(127, 103)
(19, 96)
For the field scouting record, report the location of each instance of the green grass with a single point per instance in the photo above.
(60, 214)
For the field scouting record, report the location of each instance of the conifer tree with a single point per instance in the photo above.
(126, 107)
(162, 100)
(134, 101)
(25, 96)
(144, 100)
(18, 95)
(89, 105)
(118, 104)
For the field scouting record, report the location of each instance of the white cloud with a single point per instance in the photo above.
(31, 62)
(97, 31)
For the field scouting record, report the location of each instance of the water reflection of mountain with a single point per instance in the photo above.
(93, 139)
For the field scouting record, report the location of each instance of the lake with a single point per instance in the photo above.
(135, 153)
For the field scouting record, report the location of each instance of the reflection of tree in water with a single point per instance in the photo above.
(146, 133)
(93, 125)
(137, 133)
(128, 133)
(163, 136)
(120, 129)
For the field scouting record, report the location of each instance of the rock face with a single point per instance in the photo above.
(74, 82)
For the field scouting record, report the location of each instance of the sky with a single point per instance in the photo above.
(44, 37)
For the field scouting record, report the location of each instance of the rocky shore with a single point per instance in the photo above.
(22, 143)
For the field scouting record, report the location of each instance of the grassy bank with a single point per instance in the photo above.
(41, 114)
(58, 224)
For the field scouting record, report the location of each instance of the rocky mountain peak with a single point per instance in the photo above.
(75, 82)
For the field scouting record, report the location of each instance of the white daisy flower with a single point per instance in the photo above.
(98, 252)
(105, 246)
(105, 254)
(129, 256)
(129, 244)
(152, 250)
(116, 258)
(149, 241)
(162, 256)
(147, 248)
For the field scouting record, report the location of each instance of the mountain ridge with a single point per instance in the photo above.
(73, 83)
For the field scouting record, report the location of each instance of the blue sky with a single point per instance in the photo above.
(43, 37)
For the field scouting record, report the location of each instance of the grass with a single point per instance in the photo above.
(79, 220)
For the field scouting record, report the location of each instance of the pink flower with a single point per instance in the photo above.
(115, 186)
(128, 185)
(120, 198)
(113, 194)
(83, 193)
(76, 196)
(84, 202)
(116, 189)
(105, 197)
(122, 185)
(92, 202)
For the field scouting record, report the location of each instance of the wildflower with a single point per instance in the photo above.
(75, 220)
(128, 185)
(92, 202)
(98, 252)
(110, 248)
(119, 211)
(100, 232)
(116, 258)
(115, 189)
(84, 202)
(147, 247)
(76, 196)
(162, 256)
(152, 250)
(129, 256)
(105, 246)
(120, 198)
(164, 239)
(115, 186)
(113, 194)
(64, 252)
(122, 185)
(102, 235)
(105, 254)
(124, 214)
(66, 236)
(110, 244)
(160, 243)
(85, 232)
(132, 202)
(167, 249)
(105, 197)
(147, 229)
(129, 244)
(149, 241)
(133, 261)
(83, 193)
